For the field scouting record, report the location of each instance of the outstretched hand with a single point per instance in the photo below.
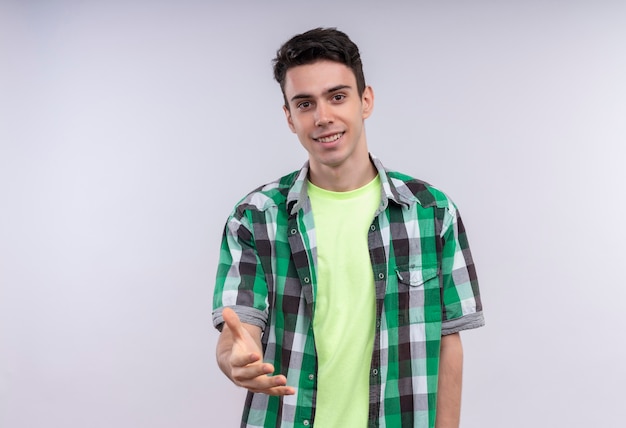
(244, 363)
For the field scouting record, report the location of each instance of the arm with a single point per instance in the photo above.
(450, 381)
(240, 357)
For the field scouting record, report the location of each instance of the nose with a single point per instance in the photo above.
(323, 115)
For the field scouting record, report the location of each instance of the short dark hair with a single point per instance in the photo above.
(316, 45)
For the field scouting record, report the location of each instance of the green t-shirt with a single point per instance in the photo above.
(344, 317)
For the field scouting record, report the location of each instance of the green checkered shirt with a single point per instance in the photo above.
(425, 283)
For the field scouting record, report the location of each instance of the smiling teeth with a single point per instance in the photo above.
(330, 139)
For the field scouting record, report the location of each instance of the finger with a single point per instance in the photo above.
(245, 359)
(234, 324)
(278, 386)
(272, 385)
(253, 378)
(249, 366)
(279, 390)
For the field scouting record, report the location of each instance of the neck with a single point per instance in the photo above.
(343, 178)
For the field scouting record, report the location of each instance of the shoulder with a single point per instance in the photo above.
(266, 196)
(426, 194)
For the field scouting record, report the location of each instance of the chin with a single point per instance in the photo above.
(331, 162)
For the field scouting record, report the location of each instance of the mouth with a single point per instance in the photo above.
(329, 138)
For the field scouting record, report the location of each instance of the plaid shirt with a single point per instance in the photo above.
(425, 283)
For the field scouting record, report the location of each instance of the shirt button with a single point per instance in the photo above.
(377, 324)
(305, 423)
(306, 280)
(294, 231)
(381, 275)
(311, 377)
(375, 372)
(372, 228)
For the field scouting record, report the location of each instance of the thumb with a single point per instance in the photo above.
(234, 324)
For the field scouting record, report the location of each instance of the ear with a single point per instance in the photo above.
(289, 120)
(367, 102)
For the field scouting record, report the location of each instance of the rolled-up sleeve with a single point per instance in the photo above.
(461, 303)
(240, 281)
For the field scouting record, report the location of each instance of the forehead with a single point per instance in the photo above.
(317, 78)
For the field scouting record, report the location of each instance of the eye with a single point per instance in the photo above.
(339, 97)
(304, 105)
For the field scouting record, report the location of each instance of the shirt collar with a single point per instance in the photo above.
(392, 190)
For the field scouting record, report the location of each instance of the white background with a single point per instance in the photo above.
(129, 129)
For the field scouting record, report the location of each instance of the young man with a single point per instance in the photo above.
(341, 287)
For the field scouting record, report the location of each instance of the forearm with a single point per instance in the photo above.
(450, 382)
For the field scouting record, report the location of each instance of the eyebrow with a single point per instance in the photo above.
(328, 91)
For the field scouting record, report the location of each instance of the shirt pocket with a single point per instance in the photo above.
(419, 293)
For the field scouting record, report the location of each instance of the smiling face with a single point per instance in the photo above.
(326, 112)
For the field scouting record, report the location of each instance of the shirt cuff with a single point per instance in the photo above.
(466, 322)
(246, 315)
